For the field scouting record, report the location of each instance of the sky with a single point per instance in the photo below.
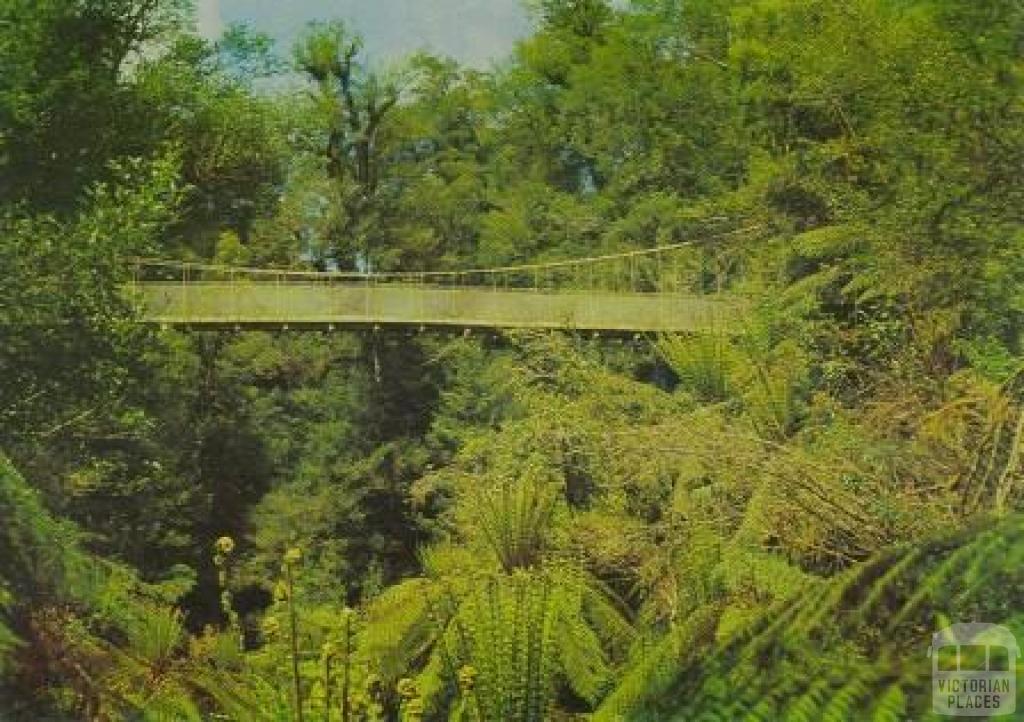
(476, 32)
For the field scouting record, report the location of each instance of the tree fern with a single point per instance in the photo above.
(704, 363)
(654, 671)
(891, 705)
(820, 657)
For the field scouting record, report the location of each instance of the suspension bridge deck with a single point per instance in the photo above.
(642, 291)
(310, 304)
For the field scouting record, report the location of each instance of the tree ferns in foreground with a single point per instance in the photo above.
(852, 648)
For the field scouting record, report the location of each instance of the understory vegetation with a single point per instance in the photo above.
(765, 522)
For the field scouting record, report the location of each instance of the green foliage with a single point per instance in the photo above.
(514, 518)
(508, 629)
(63, 104)
(112, 642)
(702, 363)
(69, 336)
(839, 653)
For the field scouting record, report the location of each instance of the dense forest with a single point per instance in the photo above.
(765, 524)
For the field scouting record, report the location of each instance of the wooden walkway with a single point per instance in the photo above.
(321, 305)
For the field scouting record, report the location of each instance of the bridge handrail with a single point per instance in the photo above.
(187, 266)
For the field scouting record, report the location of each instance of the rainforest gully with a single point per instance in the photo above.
(492, 520)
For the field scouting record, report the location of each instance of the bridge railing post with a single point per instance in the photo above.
(278, 299)
(184, 290)
(366, 297)
(421, 306)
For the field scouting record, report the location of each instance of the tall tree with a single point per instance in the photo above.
(63, 90)
(356, 103)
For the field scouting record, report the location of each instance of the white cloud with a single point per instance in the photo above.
(209, 20)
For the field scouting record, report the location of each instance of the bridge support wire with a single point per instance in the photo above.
(641, 290)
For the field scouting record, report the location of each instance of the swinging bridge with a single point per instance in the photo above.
(672, 288)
